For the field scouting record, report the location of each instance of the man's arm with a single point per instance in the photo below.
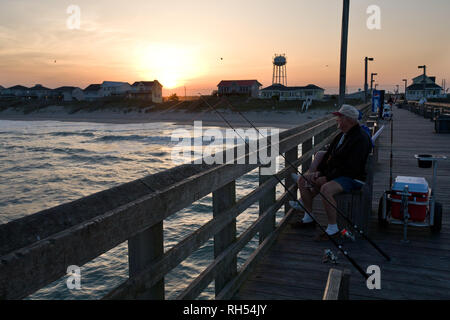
(317, 161)
(323, 162)
(355, 156)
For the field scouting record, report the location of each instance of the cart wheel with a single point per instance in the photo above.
(382, 222)
(436, 227)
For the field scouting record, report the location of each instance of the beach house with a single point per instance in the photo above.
(39, 92)
(115, 88)
(93, 92)
(249, 88)
(68, 93)
(415, 90)
(17, 90)
(146, 90)
(281, 92)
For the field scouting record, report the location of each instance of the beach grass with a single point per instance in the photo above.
(121, 104)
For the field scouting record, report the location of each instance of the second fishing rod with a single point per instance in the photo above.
(338, 246)
(354, 226)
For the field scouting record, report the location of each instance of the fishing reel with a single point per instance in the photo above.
(348, 235)
(329, 256)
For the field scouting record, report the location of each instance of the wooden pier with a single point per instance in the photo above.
(36, 250)
(293, 267)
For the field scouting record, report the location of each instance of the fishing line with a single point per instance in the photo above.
(338, 246)
(354, 226)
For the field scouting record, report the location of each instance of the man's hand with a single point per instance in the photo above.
(309, 178)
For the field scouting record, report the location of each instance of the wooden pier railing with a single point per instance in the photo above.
(429, 110)
(37, 249)
(439, 113)
(337, 287)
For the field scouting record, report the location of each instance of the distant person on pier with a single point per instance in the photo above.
(341, 168)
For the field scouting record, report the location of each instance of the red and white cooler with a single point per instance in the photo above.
(417, 202)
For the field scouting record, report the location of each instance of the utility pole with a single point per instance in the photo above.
(344, 43)
(366, 86)
(424, 80)
(406, 82)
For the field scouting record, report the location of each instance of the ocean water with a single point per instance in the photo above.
(47, 163)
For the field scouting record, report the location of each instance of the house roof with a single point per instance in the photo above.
(18, 87)
(419, 86)
(113, 83)
(65, 88)
(39, 87)
(281, 87)
(146, 83)
(93, 87)
(244, 83)
(432, 78)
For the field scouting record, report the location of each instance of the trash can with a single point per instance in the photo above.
(442, 123)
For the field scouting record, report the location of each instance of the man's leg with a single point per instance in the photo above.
(328, 190)
(304, 183)
(306, 194)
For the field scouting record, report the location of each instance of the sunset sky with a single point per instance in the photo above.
(200, 42)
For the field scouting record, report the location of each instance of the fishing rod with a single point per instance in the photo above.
(391, 156)
(354, 226)
(339, 246)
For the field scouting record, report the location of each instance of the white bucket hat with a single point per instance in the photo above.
(348, 111)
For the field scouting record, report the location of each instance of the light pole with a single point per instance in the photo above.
(424, 80)
(366, 86)
(344, 42)
(406, 83)
(371, 82)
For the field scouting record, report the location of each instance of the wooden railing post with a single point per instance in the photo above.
(143, 249)
(367, 196)
(290, 157)
(223, 199)
(337, 287)
(307, 146)
(265, 202)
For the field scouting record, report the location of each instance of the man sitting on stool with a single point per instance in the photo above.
(341, 168)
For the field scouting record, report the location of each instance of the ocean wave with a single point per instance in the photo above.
(138, 138)
(56, 150)
(71, 151)
(28, 167)
(158, 154)
(6, 147)
(95, 159)
(67, 134)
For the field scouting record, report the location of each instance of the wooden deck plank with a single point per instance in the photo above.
(293, 268)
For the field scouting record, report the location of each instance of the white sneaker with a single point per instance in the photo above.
(296, 205)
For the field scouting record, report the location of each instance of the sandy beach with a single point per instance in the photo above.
(279, 119)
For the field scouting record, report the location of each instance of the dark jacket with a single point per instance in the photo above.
(349, 160)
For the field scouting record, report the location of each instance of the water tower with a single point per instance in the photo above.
(279, 70)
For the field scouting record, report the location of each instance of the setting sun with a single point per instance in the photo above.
(171, 65)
